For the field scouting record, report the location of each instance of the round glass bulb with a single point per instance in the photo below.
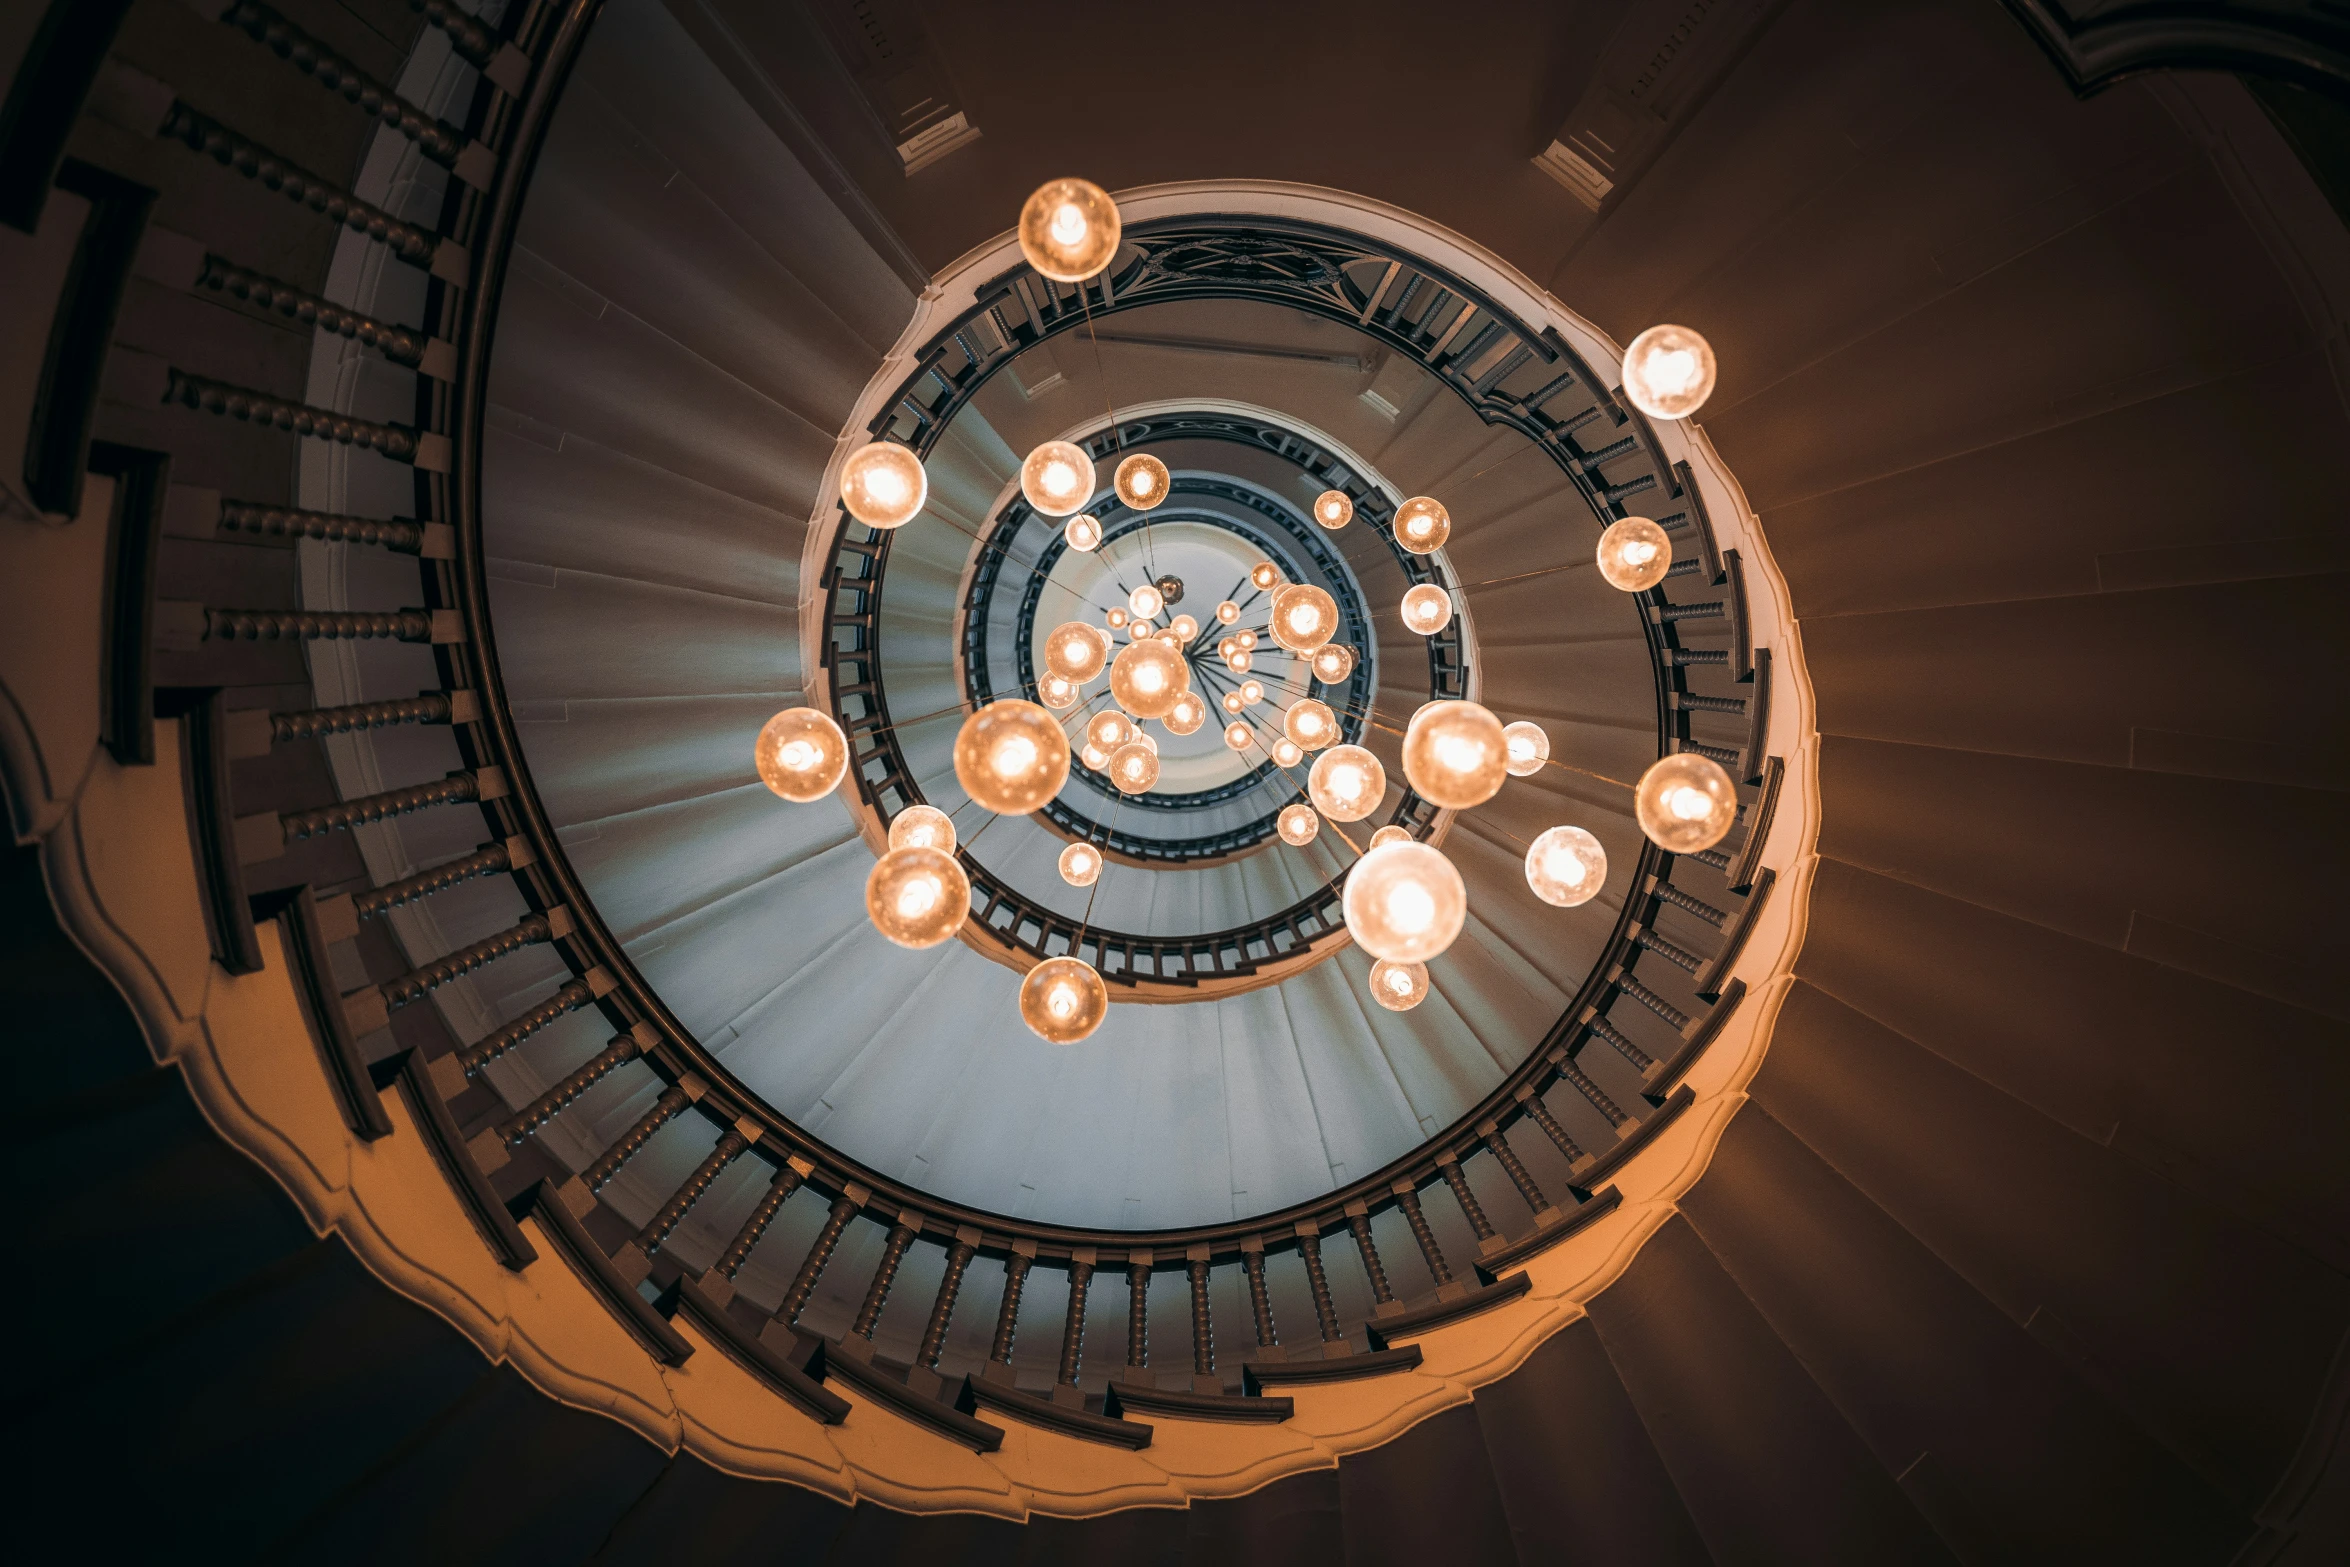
(1141, 481)
(1227, 612)
(1347, 783)
(1239, 661)
(1069, 229)
(1011, 757)
(1566, 866)
(1188, 713)
(1333, 510)
(1304, 617)
(1147, 677)
(1081, 864)
(922, 827)
(1057, 478)
(1529, 748)
(917, 897)
(1094, 757)
(1063, 1000)
(1685, 803)
(1333, 662)
(1455, 755)
(1108, 729)
(1264, 574)
(1084, 531)
(1405, 902)
(1387, 835)
(801, 754)
(1634, 554)
(1422, 525)
(1287, 752)
(1399, 987)
(1246, 639)
(1184, 627)
(1117, 618)
(883, 485)
(1234, 701)
(1238, 737)
(1310, 723)
(1427, 609)
(1297, 825)
(1146, 601)
(1134, 767)
(1141, 630)
(1057, 692)
(1227, 647)
(1252, 691)
(1073, 652)
(1668, 372)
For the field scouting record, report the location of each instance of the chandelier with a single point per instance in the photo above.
(1403, 901)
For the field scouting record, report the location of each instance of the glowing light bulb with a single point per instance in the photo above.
(1081, 864)
(1668, 372)
(1529, 748)
(1264, 574)
(1147, 677)
(1685, 802)
(1455, 755)
(1399, 987)
(1239, 661)
(1304, 617)
(1333, 510)
(1057, 478)
(1011, 757)
(883, 485)
(1422, 525)
(801, 754)
(917, 897)
(1234, 701)
(1387, 835)
(1238, 737)
(922, 827)
(1333, 662)
(1134, 767)
(1094, 757)
(1287, 752)
(1427, 609)
(1073, 652)
(1227, 647)
(1566, 866)
(1084, 531)
(1404, 902)
(1057, 692)
(1634, 554)
(1108, 729)
(1146, 601)
(1188, 713)
(1297, 825)
(1117, 618)
(1184, 627)
(1069, 229)
(1063, 1000)
(1227, 612)
(1141, 630)
(1346, 783)
(1246, 639)
(1252, 691)
(1310, 723)
(1141, 481)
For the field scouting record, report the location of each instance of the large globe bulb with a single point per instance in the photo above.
(1146, 601)
(1427, 609)
(1566, 866)
(1188, 713)
(1455, 754)
(1148, 677)
(1239, 736)
(1422, 525)
(1057, 692)
(1333, 662)
(1347, 783)
(1073, 651)
(1141, 481)
(1685, 803)
(1399, 987)
(1081, 864)
(1011, 756)
(1134, 767)
(917, 897)
(1069, 229)
(1084, 531)
(1310, 723)
(1634, 554)
(1264, 574)
(1063, 1000)
(883, 485)
(1108, 729)
(1287, 752)
(1057, 478)
(1184, 627)
(1304, 617)
(922, 827)
(1529, 748)
(1405, 903)
(1333, 510)
(801, 754)
(1668, 372)
(1297, 825)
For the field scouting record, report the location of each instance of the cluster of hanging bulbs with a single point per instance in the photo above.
(1404, 902)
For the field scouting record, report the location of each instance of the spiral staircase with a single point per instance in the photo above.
(505, 1135)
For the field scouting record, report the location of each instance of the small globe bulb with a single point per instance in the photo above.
(1287, 752)
(1685, 803)
(1058, 692)
(1227, 647)
(1084, 531)
(1073, 652)
(1310, 723)
(1233, 701)
(1069, 229)
(1057, 478)
(1264, 574)
(1634, 554)
(1399, 987)
(1668, 372)
(1141, 630)
(1227, 612)
(1427, 609)
(917, 897)
(1252, 691)
(1333, 662)
(801, 754)
(1566, 866)
(1333, 510)
(1141, 481)
(1387, 835)
(1147, 677)
(1404, 902)
(1108, 729)
(1146, 601)
(1297, 825)
(1246, 639)
(1011, 757)
(1347, 783)
(922, 827)
(1304, 617)
(1081, 864)
(1184, 627)
(1134, 767)
(1189, 712)
(1063, 1000)
(1455, 755)
(883, 485)
(1094, 757)
(1117, 618)
(1529, 748)
(1422, 525)
(1240, 661)
(1238, 736)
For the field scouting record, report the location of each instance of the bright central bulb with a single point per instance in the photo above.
(1302, 619)
(1061, 1000)
(918, 897)
(1399, 982)
(1410, 909)
(1059, 478)
(1143, 481)
(1564, 865)
(1459, 753)
(797, 755)
(1521, 749)
(1638, 553)
(1015, 756)
(1068, 226)
(1674, 370)
(887, 486)
(1149, 678)
(1688, 804)
(1346, 780)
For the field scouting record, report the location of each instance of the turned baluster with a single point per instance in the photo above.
(486, 860)
(885, 1272)
(1450, 1168)
(746, 1240)
(1407, 1197)
(803, 1285)
(568, 997)
(1358, 1223)
(1203, 1326)
(674, 1210)
(1260, 1299)
(1073, 1326)
(517, 1128)
(413, 987)
(1309, 1246)
(1498, 1144)
(1138, 1309)
(608, 1163)
(942, 1308)
(1007, 1315)
(1551, 1128)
